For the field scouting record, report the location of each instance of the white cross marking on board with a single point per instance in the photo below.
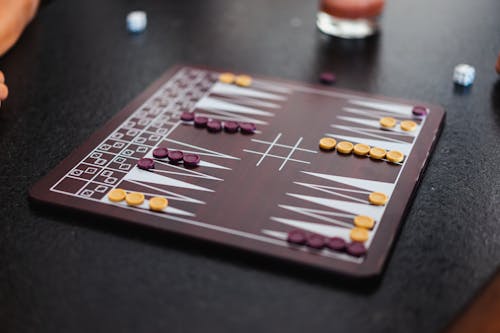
(285, 159)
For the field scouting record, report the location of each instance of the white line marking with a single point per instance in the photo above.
(284, 146)
(275, 156)
(269, 149)
(290, 154)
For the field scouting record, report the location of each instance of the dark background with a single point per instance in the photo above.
(76, 66)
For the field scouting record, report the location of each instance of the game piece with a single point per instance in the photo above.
(4, 92)
(134, 199)
(388, 122)
(327, 78)
(363, 221)
(227, 78)
(419, 111)
(361, 149)
(137, 21)
(378, 198)
(243, 80)
(187, 116)
(191, 160)
(359, 234)
(336, 244)
(394, 156)
(175, 156)
(408, 125)
(377, 153)
(284, 181)
(117, 195)
(297, 237)
(345, 147)
(327, 143)
(160, 152)
(356, 249)
(316, 241)
(231, 126)
(158, 204)
(464, 75)
(247, 128)
(146, 163)
(200, 122)
(214, 126)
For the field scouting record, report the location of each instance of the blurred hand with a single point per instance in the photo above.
(4, 91)
(14, 17)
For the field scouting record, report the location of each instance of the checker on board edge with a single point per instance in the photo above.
(304, 173)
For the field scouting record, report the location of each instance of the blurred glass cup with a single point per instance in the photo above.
(349, 18)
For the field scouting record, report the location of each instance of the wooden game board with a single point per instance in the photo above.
(251, 190)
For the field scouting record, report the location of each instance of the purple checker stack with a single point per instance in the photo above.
(146, 163)
(231, 126)
(200, 122)
(160, 152)
(214, 126)
(191, 160)
(248, 128)
(175, 156)
(187, 116)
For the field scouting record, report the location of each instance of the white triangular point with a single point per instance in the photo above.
(209, 103)
(330, 190)
(276, 234)
(369, 185)
(232, 90)
(151, 177)
(370, 113)
(188, 173)
(320, 214)
(182, 171)
(271, 86)
(225, 116)
(205, 164)
(145, 205)
(167, 194)
(371, 123)
(405, 148)
(377, 133)
(389, 107)
(202, 151)
(212, 165)
(321, 229)
(355, 208)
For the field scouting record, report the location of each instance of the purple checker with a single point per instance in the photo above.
(175, 156)
(327, 78)
(356, 249)
(231, 126)
(200, 122)
(316, 241)
(247, 128)
(296, 237)
(214, 126)
(336, 244)
(191, 160)
(419, 111)
(146, 163)
(187, 116)
(160, 152)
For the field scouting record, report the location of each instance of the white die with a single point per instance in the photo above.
(464, 75)
(137, 21)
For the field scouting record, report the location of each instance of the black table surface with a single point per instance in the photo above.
(76, 66)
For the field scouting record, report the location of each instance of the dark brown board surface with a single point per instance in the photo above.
(253, 189)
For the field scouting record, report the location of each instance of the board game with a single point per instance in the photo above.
(253, 190)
